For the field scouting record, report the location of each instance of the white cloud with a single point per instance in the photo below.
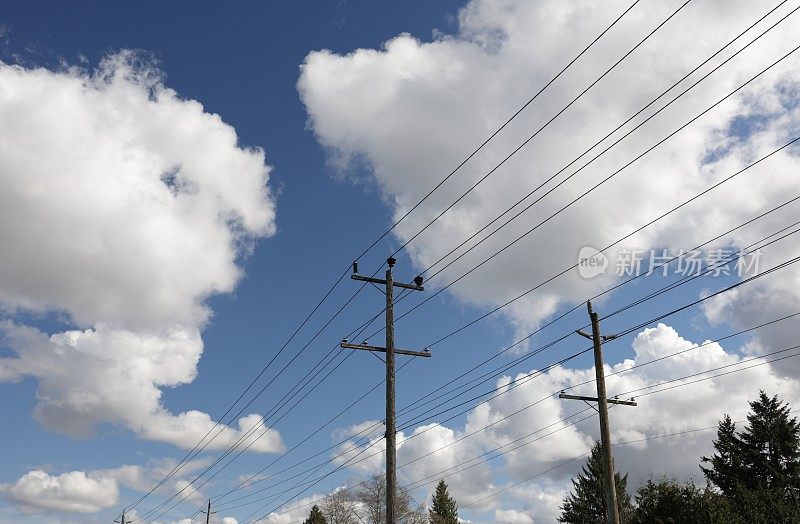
(294, 511)
(143, 478)
(511, 516)
(91, 491)
(413, 110)
(124, 208)
(69, 492)
(188, 428)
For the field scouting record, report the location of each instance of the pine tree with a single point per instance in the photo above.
(764, 456)
(444, 509)
(758, 470)
(726, 471)
(316, 516)
(771, 445)
(587, 505)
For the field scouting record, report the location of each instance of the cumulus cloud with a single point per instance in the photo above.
(412, 110)
(69, 492)
(124, 207)
(90, 491)
(143, 477)
(512, 516)
(295, 511)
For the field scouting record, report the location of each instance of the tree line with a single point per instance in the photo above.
(754, 477)
(367, 504)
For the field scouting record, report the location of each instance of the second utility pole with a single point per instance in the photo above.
(602, 404)
(391, 429)
(612, 508)
(208, 512)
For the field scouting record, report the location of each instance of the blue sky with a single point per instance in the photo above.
(361, 138)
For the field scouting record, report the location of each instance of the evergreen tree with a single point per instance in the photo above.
(726, 471)
(316, 516)
(587, 505)
(758, 470)
(771, 445)
(444, 509)
(764, 456)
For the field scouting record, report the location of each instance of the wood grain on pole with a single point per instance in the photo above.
(391, 450)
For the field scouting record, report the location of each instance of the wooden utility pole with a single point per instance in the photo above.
(121, 520)
(391, 430)
(612, 508)
(208, 512)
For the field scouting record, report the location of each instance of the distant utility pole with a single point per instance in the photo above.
(612, 509)
(121, 520)
(208, 512)
(391, 430)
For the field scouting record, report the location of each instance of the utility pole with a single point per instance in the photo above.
(121, 520)
(612, 509)
(391, 351)
(208, 512)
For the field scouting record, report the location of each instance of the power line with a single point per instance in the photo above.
(506, 389)
(232, 448)
(546, 124)
(645, 439)
(429, 396)
(711, 268)
(326, 324)
(383, 235)
(663, 289)
(590, 190)
(617, 128)
(717, 66)
(188, 455)
(498, 130)
(572, 386)
(787, 55)
(444, 473)
(685, 203)
(669, 286)
(630, 118)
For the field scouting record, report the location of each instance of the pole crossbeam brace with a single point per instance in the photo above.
(595, 399)
(382, 281)
(367, 347)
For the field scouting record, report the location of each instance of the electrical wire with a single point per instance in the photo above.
(776, 268)
(749, 221)
(343, 275)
